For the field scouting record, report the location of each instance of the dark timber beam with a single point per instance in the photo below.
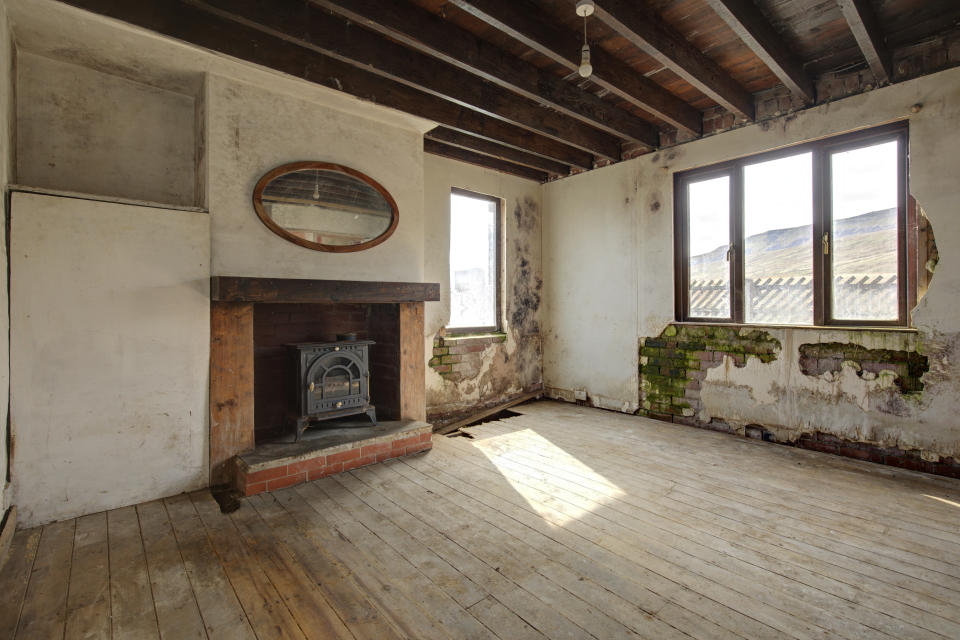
(487, 148)
(307, 25)
(562, 45)
(863, 23)
(456, 153)
(753, 29)
(178, 20)
(425, 32)
(660, 41)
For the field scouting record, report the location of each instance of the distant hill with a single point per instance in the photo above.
(865, 244)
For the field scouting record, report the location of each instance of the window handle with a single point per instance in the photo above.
(826, 243)
(730, 252)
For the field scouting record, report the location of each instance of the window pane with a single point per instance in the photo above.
(863, 248)
(473, 258)
(709, 239)
(778, 227)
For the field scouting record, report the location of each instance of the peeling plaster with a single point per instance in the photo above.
(508, 365)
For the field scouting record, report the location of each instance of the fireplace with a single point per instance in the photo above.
(254, 323)
(332, 380)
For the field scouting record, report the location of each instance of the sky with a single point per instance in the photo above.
(470, 220)
(778, 194)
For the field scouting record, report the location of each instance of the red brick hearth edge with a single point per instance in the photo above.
(307, 470)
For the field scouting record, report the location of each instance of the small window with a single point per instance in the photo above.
(812, 235)
(474, 262)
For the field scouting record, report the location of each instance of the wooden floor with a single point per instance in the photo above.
(565, 522)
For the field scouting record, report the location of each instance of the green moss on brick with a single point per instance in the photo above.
(681, 353)
(907, 366)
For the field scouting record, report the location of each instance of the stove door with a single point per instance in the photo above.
(336, 380)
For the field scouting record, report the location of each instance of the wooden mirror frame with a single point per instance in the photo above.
(309, 244)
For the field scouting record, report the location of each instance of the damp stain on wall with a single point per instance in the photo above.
(480, 371)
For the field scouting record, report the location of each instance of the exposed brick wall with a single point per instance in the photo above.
(454, 357)
(892, 456)
(907, 366)
(673, 365)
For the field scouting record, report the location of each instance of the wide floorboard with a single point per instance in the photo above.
(562, 522)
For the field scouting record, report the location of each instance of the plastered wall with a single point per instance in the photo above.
(252, 130)
(6, 153)
(591, 280)
(80, 129)
(109, 354)
(111, 323)
(501, 370)
(776, 395)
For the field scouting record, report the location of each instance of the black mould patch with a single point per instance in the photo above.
(828, 357)
(526, 214)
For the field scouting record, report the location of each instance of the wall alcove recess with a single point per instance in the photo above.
(397, 312)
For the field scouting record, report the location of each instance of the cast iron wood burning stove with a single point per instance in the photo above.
(333, 381)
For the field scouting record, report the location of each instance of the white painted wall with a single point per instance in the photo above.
(252, 130)
(79, 129)
(110, 354)
(6, 153)
(646, 301)
(590, 236)
(508, 368)
(111, 302)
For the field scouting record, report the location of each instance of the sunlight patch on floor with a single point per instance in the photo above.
(592, 488)
(943, 500)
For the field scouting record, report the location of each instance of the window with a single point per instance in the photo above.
(474, 262)
(811, 235)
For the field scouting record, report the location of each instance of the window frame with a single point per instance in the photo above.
(498, 264)
(822, 222)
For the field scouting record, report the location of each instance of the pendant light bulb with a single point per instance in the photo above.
(585, 67)
(585, 8)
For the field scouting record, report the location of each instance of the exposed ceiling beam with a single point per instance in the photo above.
(176, 19)
(479, 145)
(307, 25)
(562, 46)
(662, 42)
(430, 34)
(863, 23)
(743, 17)
(456, 153)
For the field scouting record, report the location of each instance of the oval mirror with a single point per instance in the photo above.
(323, 206)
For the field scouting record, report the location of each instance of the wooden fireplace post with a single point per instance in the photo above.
(231, 387)
(413, 369)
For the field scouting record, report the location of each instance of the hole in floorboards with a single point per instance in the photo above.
(500, 415)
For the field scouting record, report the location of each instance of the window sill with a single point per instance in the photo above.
(481, 337)
(800, 327)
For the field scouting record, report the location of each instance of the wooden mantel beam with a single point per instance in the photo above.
(559, 44)
(657, 39)
(743, 17)
(177, 19)
(430, 34)
(863, 24)
(307, 25)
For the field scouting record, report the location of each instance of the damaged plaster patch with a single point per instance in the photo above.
(674, 364)
(479, 371)
(906, 367)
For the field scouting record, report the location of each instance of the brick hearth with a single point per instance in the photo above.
(276, 466)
